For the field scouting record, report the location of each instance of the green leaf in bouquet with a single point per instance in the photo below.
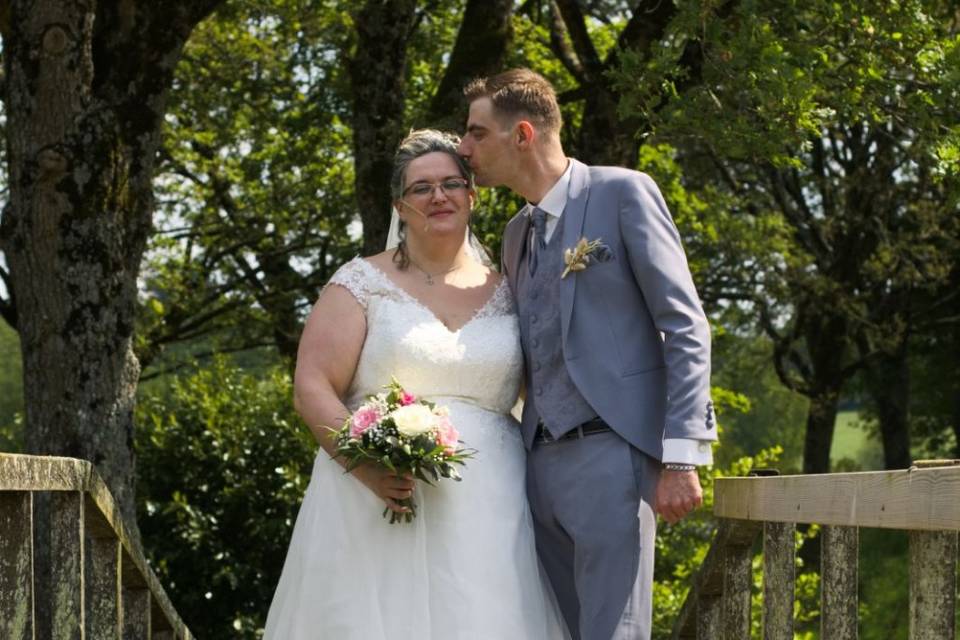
(419, 475)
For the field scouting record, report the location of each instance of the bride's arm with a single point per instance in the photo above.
(327, 358)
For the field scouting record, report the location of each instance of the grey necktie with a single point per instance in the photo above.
(539, 218)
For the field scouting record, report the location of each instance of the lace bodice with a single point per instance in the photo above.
(480, 363)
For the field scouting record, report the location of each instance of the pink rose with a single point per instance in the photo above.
(363, 419)
(407, 398)
(447, 434)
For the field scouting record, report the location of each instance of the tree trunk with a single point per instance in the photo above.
(85, 95)
(603, 139)
(829, 347)
(86, 85)
(377, 76)
(888, 382)
(821, 419)
(481, 48)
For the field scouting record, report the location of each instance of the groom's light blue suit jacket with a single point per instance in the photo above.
(635, 339)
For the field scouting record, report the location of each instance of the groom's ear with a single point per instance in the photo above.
(524, 134)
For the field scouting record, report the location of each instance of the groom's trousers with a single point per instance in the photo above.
(592, 500)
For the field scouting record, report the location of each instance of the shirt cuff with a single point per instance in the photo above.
(687, 451)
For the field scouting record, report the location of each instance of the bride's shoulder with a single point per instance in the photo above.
(358, 277)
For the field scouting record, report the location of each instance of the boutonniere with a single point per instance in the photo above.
(580, 256)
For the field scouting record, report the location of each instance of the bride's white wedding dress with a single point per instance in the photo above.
(466, 567)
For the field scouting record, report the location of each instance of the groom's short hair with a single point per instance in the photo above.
(519, 93)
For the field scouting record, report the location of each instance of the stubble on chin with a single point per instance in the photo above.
(483, 180)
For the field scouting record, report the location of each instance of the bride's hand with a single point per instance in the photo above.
(386, 485)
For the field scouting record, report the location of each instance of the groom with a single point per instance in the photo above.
(617, 349)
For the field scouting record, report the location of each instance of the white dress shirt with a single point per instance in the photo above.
(680, 450)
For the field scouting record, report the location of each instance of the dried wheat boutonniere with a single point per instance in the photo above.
(580, 256)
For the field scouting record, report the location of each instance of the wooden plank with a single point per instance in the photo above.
(838, 583)
(135, 613)
(912, 499)
(737, 578)
(933, 584)
(16, 565)
(43, 473)
(779, 580)
(102, 588)
(66, 570)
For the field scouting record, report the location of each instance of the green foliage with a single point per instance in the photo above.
(256, 184)
(776, 415)
(11, 391)
(223, 462)
(823, 138)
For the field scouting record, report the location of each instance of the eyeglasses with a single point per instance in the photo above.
(449, 187)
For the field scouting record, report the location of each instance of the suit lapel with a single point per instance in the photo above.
(574, 216)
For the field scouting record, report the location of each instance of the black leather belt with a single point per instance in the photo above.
(588, 428)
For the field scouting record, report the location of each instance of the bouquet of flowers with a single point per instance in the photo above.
(404, 434)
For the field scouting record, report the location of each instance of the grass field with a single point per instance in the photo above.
(852, 441)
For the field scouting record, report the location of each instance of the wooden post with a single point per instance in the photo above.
(136, 614)
(737, 578)
(102, 588)
(102, 578)
(66, 565)
(708, 617)
(16, 565)
(779, 580)
(933, 585)
(838, 583)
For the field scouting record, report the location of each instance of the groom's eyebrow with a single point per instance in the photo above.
(474, 128)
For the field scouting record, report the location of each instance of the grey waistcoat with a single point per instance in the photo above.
(551, 395)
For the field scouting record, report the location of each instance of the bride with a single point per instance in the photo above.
(431, 314)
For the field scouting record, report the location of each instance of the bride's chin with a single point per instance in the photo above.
(445, 229)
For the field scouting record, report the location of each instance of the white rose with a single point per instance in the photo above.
(413, 419)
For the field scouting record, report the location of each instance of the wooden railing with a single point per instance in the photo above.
(924, 500)
(98, 582)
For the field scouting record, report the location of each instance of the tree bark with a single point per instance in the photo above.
(823, 371)
(85, 96)
(604, 138)
(821, 418)
(480, 50)
(887, 376)
(377, 75)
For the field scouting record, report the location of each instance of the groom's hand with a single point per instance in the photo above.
(678, 493)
